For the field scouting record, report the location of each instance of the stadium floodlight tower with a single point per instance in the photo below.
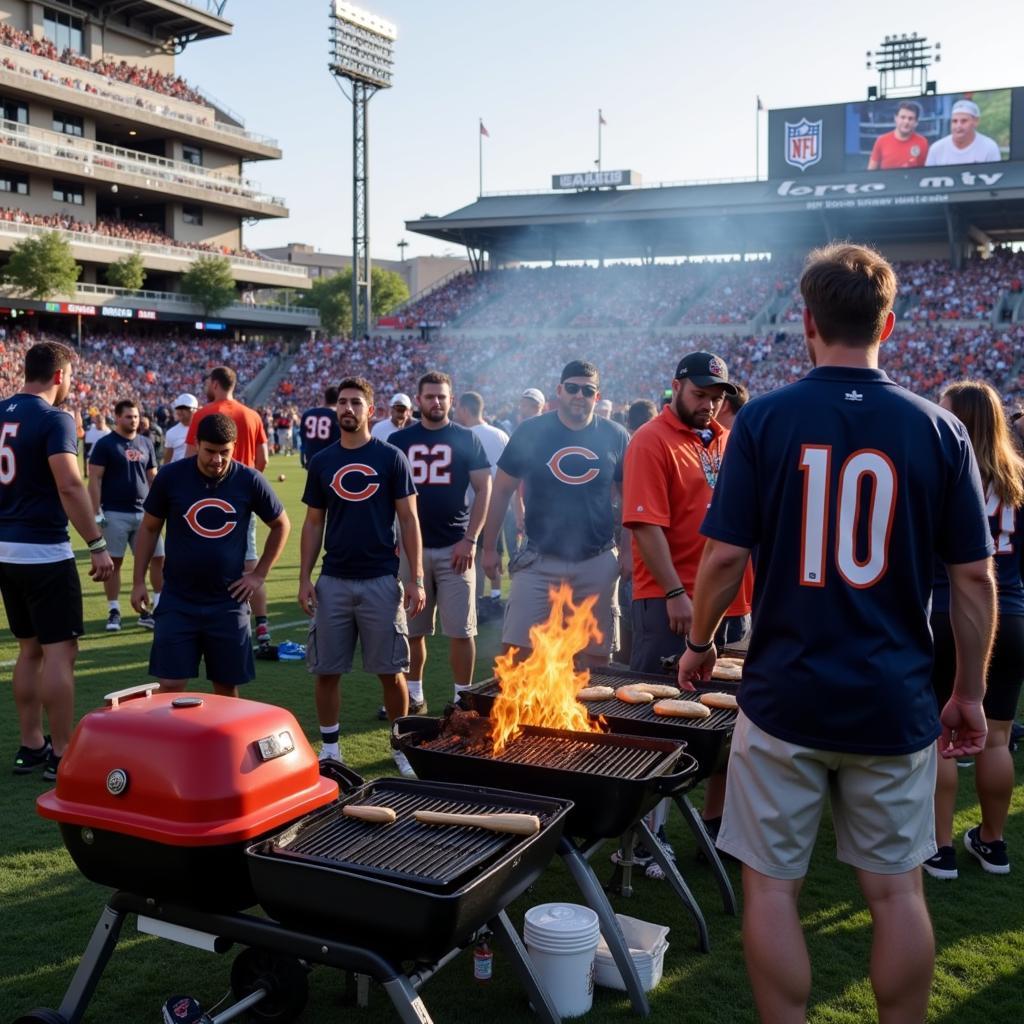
(362, 48)
(902, 64)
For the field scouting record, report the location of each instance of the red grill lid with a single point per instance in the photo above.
(187, 770)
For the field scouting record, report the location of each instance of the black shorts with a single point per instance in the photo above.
(653, 640)
(1005, 670)
(43, 600)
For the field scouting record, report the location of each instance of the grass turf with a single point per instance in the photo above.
(48, 910)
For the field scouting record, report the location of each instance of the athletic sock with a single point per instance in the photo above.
(156, 599)
(415, 687)
(114, 606)
(495, 592)
(329, 734)
(459, 687)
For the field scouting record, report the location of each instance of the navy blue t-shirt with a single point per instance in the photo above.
(126, 464)
(31, 430)
(359, 487)
(569, 476)
(441, 462)
(318, 429)
(1006, 525)
(849, 487)
(207, 526)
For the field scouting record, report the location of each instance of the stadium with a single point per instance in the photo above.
(105, 144)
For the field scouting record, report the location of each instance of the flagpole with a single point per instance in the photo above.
(757, 140)
(600, 122)
(480, 138)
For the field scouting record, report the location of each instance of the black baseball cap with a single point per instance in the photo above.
(705, 369)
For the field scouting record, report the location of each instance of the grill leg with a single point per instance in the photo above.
(94, 960)
(594, 895)
(516, 951)
(406, 1001)
(693, 819)
(675, 879)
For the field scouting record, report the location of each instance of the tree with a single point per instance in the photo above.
(331, 297)
(42, 266)
(127, 272)
(208, 282)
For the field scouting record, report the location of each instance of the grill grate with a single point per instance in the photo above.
(407, 850)
(609, 760)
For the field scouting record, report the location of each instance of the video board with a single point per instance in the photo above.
(950, 129)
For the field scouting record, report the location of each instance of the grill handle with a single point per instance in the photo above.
(345, 777)
(666, 785)
(142, 690)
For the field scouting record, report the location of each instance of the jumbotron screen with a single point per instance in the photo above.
(950, 129)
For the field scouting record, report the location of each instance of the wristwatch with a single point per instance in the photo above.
(699, 648)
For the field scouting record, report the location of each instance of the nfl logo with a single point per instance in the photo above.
(803, 143)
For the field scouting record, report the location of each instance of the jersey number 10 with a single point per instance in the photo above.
(816, 465)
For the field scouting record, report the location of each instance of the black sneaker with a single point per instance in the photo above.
(28, 760)
(382, 714)
(146, 621)
(114, 621)
(417, 707)
(992, 855)
(52, 764)
(942, 864)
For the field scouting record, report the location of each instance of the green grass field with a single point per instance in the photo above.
(47, 910)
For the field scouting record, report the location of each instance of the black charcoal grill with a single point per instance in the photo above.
(613, 781)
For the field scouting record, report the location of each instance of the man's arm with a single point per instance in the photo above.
(409, 526)
(261, 457)
(145, 544)
(75, 501)
(972, 614)
(311, 539)
(502, 489)
(242, 589)
(465, 549)
(95, 480)
(718, 580)
(657, 556)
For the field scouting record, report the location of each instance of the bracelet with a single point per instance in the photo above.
(675, 592)
(97, 545)
(699, 648)
(418, 581)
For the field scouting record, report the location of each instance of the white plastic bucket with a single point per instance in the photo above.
(561, 939)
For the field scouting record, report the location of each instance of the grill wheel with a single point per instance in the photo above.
(283, 977)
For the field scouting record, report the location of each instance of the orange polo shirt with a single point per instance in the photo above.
(665, 484)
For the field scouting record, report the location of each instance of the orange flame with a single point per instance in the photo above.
(541, 689)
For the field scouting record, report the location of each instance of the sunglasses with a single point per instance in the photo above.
(587, 390)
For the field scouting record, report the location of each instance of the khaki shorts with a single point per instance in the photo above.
(882, 806)
(533, 576)
(451, 594)
(369, 611)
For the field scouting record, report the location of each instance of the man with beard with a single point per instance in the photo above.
(251, 449)
(206, 502)
(571, 463)
(446, 461)
(40, 490)
(354, 492)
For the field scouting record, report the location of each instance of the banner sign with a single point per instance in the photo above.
(595, 179)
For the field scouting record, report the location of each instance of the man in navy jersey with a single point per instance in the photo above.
(446, 459)
(318, 427)
(40, 490)
(354, 492)
(206, 501)
(122, 465)
(571, 463)
(848, 487)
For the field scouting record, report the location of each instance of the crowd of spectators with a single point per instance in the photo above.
(166, 84)
(935, 291)
(110, 228)
(445, 304)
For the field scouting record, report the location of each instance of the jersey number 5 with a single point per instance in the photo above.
(816, 465)
(435, 471)
(8, 467)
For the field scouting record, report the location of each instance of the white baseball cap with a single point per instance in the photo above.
(186, 401)
(401, 399)
(535, 394)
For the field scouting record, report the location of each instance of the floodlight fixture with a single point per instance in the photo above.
(362, 45)
(902, 61)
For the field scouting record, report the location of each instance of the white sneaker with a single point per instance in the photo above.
(402, 763)
(325, 755)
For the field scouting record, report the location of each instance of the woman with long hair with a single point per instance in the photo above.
(976, 404)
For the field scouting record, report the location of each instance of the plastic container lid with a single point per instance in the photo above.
(561, 928)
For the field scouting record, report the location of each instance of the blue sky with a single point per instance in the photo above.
(677, 82)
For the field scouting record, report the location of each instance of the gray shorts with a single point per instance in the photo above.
(882, 805)
(121, 531)
(250, 541)
(533, 576)
(369, 611)
(653, 640)
(450, 594)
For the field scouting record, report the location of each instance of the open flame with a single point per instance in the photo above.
(541, 689)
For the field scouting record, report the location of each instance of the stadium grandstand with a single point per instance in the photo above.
(101, 141)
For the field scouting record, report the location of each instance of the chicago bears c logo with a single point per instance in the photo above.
(134, 455)
(211, 533)
(344, 493)
(555, 465)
